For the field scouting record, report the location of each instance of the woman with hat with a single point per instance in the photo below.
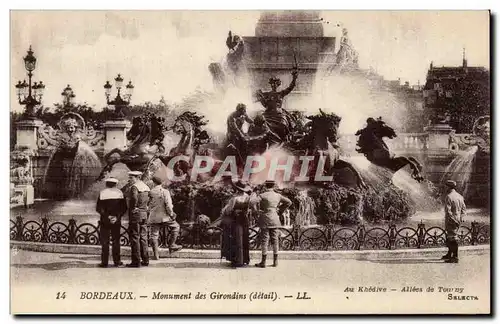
(235, 245)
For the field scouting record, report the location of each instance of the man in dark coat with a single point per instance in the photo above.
(271, 205)
(454, 210)
(111, 205)
(138, 216)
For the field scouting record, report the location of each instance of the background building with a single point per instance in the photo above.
(457, 96)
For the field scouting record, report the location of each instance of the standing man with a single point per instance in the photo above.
(111, 205)
(271, 205)
(454, 210)
(161, 213)
(138, 215)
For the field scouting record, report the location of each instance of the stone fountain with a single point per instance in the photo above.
(471, 166)
(282, 39)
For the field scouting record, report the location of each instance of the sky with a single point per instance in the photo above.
(166, 53)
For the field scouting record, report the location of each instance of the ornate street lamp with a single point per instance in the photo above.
(30, 95)
(121, 100)
(68, 96)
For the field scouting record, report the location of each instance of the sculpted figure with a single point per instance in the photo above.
(371, 144)
(279, 120)
(235, 55)
(260, 136)
(73, 166)
(21, 174)
(235, 121)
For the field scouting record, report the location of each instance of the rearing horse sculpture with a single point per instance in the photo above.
(314, 135)
(372, 145)
(146, 136)
(189, 126)
(319, 138)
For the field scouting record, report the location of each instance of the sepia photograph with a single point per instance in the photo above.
(210, 162)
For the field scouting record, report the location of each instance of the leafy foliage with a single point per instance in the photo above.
(191, 199)
(334, 204)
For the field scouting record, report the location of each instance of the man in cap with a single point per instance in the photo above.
(138, 215)
(111, 205)
(271, 205)
(454, 210)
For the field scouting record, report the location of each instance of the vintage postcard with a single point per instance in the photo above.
(250, 162)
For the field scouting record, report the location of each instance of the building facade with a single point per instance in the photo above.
(457, 96)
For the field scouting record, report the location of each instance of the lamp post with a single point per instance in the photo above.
(29, 94)
(121, 100)
(68, 96)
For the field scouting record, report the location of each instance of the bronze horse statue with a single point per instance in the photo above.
(146, 147)
(189, 125)
(371, 144)
(146, 137)
(314, 135)
(318, 137)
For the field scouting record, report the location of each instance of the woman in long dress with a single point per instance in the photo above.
(235, 245)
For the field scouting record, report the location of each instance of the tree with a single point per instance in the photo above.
(160, 109)
(471, 100)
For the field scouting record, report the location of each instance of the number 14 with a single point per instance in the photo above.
(61, 295)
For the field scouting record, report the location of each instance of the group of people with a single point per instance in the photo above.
(153, 208)
(147, 208)
(235, 245)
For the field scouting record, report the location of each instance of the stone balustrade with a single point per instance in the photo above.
(404, 143)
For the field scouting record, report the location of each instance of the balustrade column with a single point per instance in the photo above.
(421, 234)
(72, 231)
(27, 134)
(45, 229)
(474, 233)
(361, 232)
(19, 228)
(115, 132)
(438, 137)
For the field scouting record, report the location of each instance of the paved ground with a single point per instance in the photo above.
(36, 278)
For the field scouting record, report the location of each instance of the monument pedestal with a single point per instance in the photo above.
(22, 190)
(22, 194)
(27, 134)
(438, 136)
(438, 152)
(282, 40)
(115, 132)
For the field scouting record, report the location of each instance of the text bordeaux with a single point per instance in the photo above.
(107, 295)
